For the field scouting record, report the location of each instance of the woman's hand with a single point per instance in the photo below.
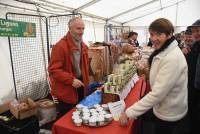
(123, 120)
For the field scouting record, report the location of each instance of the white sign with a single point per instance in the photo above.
(116, 108)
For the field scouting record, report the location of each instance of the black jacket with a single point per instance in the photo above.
(192, 62)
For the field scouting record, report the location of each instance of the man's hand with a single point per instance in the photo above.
(77, 83)
(123, 120)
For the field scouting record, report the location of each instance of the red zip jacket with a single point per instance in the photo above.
(61, 70)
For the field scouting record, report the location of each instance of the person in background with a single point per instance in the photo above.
(149, 43)
(188, 41)
(132, 39)
(168, 81)
(178, 37)
(193, 60)
(182, 39)
(117, 40)
(69, 67)
(135, 35)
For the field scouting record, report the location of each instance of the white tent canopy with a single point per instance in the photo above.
(135, 13)
(127, 12)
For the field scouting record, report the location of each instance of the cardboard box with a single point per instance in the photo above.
(4, 107)
(108, 97)
(107, 61)
(45, 103)
(19, 114)
(114, 53)
(97, 62)
(100, 59)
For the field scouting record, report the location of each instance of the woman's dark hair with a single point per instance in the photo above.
(161, 25)
(132, 33)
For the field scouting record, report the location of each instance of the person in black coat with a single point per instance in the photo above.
(193, 60)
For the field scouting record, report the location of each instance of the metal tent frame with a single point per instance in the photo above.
(49, 4)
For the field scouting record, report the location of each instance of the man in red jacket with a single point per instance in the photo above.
(68, 67)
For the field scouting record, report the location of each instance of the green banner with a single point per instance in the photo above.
(17, 28)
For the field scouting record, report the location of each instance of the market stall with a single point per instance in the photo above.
(65, 125)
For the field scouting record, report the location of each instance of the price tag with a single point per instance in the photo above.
(116, 108)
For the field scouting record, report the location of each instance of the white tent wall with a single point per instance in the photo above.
(142, 34)
(94, 31)
(169, 13)
(187, 12)
(6, 79)
(180, 15)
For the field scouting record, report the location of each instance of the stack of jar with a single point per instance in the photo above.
(117, 81)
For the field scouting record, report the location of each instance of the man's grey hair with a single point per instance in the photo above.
(72, 20)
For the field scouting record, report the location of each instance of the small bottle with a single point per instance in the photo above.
(86, 119)
(105, 107)
(93, 122)
(108, 117)
(78, 122)
(100, 121)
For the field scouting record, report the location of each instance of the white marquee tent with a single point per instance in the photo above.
(137, 14)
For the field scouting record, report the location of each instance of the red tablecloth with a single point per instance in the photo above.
(65, 125)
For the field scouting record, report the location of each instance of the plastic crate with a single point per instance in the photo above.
(26, 126)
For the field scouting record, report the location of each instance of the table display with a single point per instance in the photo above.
(96, 116)
(65, 125)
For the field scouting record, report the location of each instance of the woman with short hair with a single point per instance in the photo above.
(168, 81)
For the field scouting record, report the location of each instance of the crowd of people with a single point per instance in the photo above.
(189, 43)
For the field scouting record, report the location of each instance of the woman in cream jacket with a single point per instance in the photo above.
(168, 81)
